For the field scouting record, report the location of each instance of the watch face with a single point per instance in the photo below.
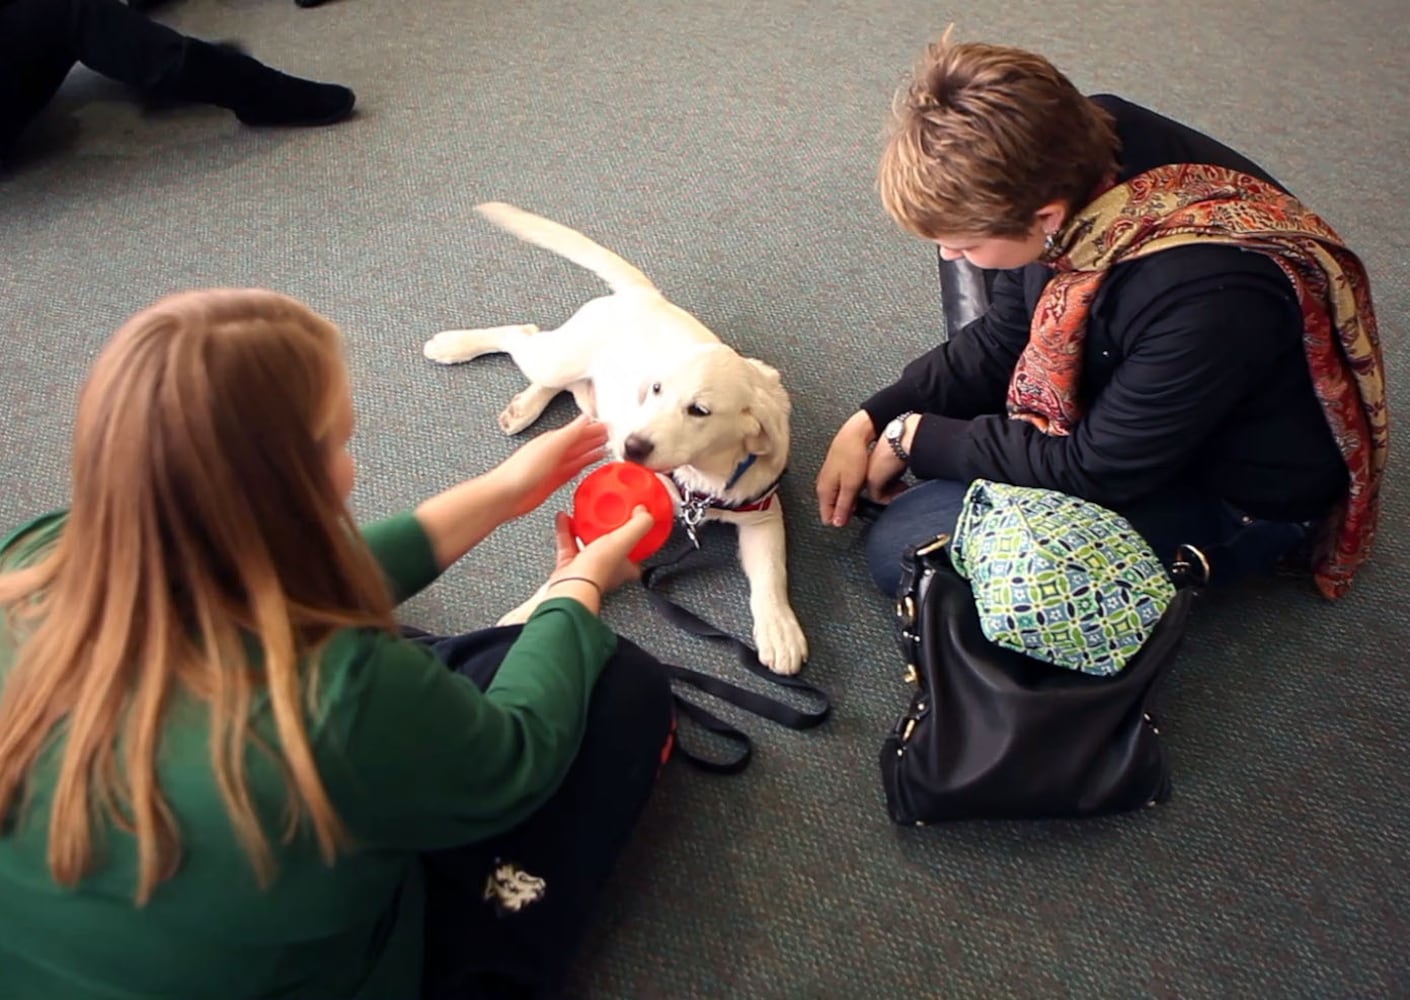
(895, 429)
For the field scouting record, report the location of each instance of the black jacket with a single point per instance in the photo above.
(1194, 373)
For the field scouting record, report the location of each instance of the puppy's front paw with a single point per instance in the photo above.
(447, 348)
(780, 641)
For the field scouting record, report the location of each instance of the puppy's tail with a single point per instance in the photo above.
(568, 243)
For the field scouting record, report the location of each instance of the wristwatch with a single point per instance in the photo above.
(895, 431)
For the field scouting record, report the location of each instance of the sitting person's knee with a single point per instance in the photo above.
(884, 559)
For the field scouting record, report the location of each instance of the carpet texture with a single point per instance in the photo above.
(729, 148)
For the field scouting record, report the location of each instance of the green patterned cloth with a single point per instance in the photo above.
(1061, 579)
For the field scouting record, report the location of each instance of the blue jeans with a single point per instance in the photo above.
(1236, 545)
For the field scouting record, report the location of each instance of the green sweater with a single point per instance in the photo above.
(414, 758)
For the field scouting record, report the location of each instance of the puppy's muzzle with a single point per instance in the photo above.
(637, 448)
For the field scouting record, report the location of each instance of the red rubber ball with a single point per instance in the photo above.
(606, 497)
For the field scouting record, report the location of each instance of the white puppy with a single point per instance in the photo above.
(675, 400)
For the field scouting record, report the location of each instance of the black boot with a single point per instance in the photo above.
(226, 77)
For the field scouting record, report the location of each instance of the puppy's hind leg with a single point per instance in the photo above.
(452, 347)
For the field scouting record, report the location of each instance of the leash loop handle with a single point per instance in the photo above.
(751, 701)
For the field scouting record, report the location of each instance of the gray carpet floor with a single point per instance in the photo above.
(728, 148)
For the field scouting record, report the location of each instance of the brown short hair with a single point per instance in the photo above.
(983, 136)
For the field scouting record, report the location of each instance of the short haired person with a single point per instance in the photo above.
(1171, 333)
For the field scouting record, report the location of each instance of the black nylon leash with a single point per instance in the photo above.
(751, 701)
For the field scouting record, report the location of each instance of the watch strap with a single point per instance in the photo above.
(894, 440)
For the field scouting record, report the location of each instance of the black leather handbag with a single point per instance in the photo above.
(993, 734)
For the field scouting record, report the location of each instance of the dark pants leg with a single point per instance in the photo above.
(483, 948)
(41, 40)
(1237, 545)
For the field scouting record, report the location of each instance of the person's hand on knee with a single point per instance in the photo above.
(884, 472)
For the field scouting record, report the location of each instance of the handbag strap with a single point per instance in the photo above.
(1191, 567)
(751, 701)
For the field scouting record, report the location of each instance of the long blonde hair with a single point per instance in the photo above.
(203, 516)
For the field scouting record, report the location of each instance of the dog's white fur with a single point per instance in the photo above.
(673, 397)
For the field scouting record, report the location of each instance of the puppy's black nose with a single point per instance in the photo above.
(637, 448)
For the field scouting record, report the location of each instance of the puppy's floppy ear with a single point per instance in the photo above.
(769, 407)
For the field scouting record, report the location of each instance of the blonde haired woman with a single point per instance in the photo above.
(223, 770)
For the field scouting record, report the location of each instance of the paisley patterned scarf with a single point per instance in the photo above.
(1184, 204)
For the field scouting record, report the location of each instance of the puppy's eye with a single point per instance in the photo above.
(696, 410)
(655, 388)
